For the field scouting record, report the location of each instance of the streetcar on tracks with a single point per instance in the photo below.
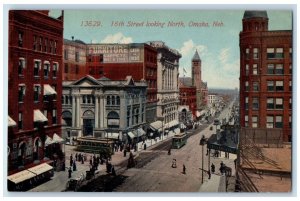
(179, 140)
(93, 145)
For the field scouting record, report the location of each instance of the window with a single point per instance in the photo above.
(279, 85)
(83, 98)
(255, 86)
(41, 44)
(247, 69)
(46, 45)
(21, 93)
(246, 86)
(21, 66)
(54, 116)
(255, 104)
(270, 122)
(34, 42)
(270, 69)
(255, 53)
(246, 103)
(118, 100)
(270, 103)
(20, 39)
(46, 69)
(36, 92)
(270, 86)
(254, 121)
(54, 70)
(279, 103)
(66, 68)
(290, 69)
(274, 53)
(247, 53)
(66, 54)
(291, 53)
(37, 66)
(278, 121)
(290, 103)
(20, 121)
(290, 85)
(77, 56)
(279, 69)
(113, 100)
(76, 69)
(108, 100)
(290, 121)
(55, 47)
(254, 69)
(101, 58)
(51, 46)
(88, 99)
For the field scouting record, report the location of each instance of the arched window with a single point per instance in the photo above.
(113, 120)
(67, 117)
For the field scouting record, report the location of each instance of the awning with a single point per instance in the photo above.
(172, 123)
(21, 176)
(39, 117)
(113, 135)
(40, 169)
(57, 139)
(177, 131)
(11, 122)
(48, 140)
(48, 90)
(131, 135)
(198, 114)
(141, 132)
(157, 125)
(182, 126)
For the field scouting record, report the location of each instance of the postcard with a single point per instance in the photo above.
(150, 100)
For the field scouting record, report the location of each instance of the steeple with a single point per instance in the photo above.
(196, 57)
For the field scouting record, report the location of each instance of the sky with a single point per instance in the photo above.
(218, 46)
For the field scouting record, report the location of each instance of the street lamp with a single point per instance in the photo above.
(202, 143)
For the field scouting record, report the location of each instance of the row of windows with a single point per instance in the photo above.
(95, 58)
(44, 44)
(272, 69)
(66, 55)
(277, 85)
(36, 92)
(113, 100)
(37, 68)
(151, 83)
(272, 121)
(66, 99)
(21, 119)
(272, 53)
(272, 103)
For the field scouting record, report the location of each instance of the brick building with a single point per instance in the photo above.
(187, 96)
(114, 61)
(265, 75)
(34, 87)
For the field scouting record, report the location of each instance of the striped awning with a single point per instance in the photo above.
(113, 135)
(157, 125)
(48, 90)
(40, 169)
(131, 135)
(177, 130)
(48, 141)
(39, 117)
(11, 122)
(172, 123)
(21, 176)
(140, 132)
(57, 139)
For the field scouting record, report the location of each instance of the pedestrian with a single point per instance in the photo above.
(212, 168)
(174, 163)
(64, 166)
(74, 166)
(91, 162)
(169, 152)
(82, 160)
(70, 172)
(221, 167)
(183, 171)
(71, 162)
(209, 174)
(113, 172)
(145, 146)
(76, 157)
(71, 157)
(124, 152)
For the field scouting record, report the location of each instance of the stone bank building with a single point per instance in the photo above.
(104, 108)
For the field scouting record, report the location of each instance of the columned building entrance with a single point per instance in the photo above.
(88, 123)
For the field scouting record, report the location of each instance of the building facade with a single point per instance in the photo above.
(104, 108)
(167, 83)
(34, 87)
(188, 98)
(265, 75)
(196, 78)
(114, 61)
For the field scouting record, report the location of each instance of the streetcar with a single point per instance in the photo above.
(93, 145)
(179, 140)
